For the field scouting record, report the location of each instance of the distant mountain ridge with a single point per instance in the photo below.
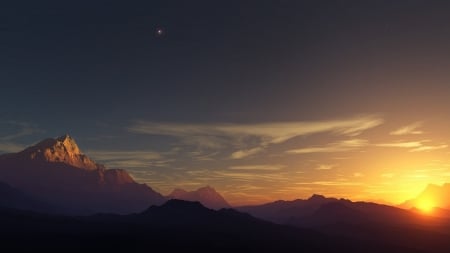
(319, 210)
(282, 211)
(362, 221)
(207, 195)
(56, 171)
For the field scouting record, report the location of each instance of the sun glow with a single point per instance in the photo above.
(426, 205)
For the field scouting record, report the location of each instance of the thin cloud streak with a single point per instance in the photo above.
(8, 147)
(268, 167)
(330, 183)
(24, 129)
(429, 148)
(414, 146)
(266, 133)
(325, 167)
(247, 152)
(409, 129)
(409, 144)
(129, 159)
(8, 143)
(341, 146)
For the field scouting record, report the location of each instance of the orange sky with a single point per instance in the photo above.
(262, 101)
(364, 157)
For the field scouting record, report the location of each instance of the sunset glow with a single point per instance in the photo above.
(225, 125)
(285, 103)
(426, 205)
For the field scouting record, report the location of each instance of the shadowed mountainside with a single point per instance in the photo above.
(16, 199)
(56, 171)
(207, 195)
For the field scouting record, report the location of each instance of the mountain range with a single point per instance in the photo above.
(207, 195)
(55, 171)
(176, 225)
(321, 211)
(45, 188)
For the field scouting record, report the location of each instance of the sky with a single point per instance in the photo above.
(262, 100)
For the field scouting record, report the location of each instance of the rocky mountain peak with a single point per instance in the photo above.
(63, 149)
(69, 144)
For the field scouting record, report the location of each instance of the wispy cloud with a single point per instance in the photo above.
(8, 142)
(246, 152)
(409, 129)
(268, 167)
(269, 176)
(261, 134)
(8, 147)
(341, 146)
(408, 144)
(201, 156)
(429, 148)
(330, 183)
(129, 159)
(325, 167)
(414, 146)
(22, 129)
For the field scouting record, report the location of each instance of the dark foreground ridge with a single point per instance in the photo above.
(176, 225)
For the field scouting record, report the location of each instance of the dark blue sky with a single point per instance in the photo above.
(96, 70)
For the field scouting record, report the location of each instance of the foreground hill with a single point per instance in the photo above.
(207, 195)
(177, 225)
(57, 172)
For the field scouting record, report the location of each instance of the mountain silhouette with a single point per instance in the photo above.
(207, 195)
(363, 221)
(435, 195)
(319, 210)
(346, 211)
(283, 211)
(56, 171)
(176, 225)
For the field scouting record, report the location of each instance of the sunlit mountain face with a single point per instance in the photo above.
(262, 101)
